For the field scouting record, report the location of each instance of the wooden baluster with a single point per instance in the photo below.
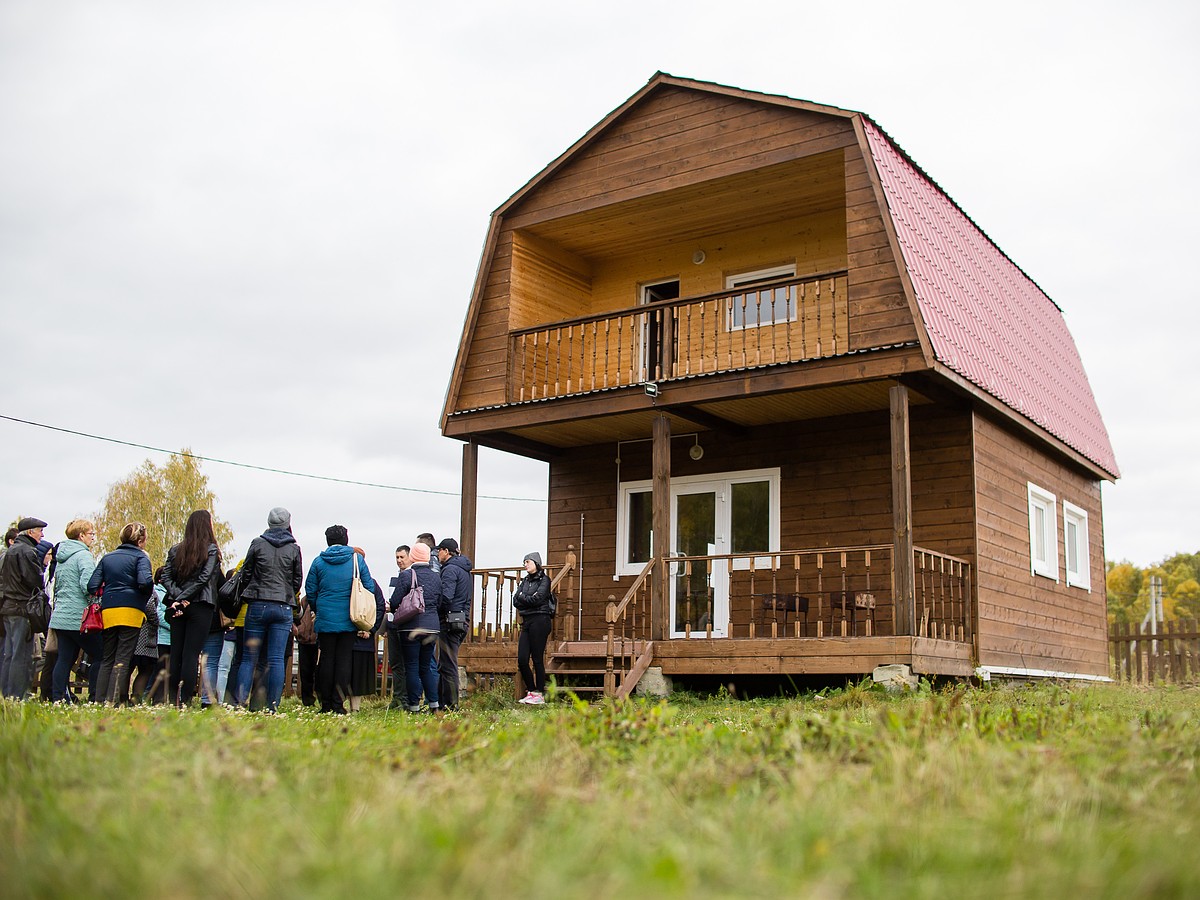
(700, 360)
(821, 597)
(595, 350)
(872, 612)
(844, 588)
(607, 361)
(522, 392)
(802, 314)
(685, 345)
(833, 303)
(570, 353)
(758, 328)
(819, 335)
(743, 331)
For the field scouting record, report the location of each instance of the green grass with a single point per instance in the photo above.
(987, 792)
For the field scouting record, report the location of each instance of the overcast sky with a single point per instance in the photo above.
(252, 228)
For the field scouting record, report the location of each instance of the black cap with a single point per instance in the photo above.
(448, 544)
(30, 522)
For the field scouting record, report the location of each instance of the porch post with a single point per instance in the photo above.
(470, 494)
(660, 526)
(903, 588)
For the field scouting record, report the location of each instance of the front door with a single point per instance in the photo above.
(699, 587)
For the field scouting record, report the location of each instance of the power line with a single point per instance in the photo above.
(241, 465)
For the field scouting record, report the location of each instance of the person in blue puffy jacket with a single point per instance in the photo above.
(328, 590)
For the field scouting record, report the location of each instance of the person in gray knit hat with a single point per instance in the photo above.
(271, 578)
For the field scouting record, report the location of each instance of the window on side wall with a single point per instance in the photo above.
(759, 305)
(1075, 541)
(1043, 532)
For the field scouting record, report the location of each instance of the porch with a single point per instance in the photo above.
(795, 612)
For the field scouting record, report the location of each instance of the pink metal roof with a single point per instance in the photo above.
(986, 318)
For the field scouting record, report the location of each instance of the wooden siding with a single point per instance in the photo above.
(879, 309)
(835, 491)
(674, 138)
(1028, 621)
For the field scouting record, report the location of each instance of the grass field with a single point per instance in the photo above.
(1041, 791)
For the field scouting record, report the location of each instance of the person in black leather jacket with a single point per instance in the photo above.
(272, 574)
(532, 602)
(20, 576)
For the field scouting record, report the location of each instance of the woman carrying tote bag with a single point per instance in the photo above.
(327, 587)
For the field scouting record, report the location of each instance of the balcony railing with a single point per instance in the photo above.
(780, 322)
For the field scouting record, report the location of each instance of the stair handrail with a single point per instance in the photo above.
(567, 568)
(613, 613)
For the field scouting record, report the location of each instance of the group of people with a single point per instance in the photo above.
(161, 633)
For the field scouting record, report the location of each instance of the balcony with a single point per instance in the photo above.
(772, 324)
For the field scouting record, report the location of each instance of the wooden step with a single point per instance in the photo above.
(555, 671)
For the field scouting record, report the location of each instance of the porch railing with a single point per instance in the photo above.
(494, 618)
(748, 327)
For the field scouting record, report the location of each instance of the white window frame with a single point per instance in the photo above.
(625, 488)
(751, 279)
(1081, 576)
(1041, 500)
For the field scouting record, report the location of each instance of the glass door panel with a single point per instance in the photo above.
(698, 586)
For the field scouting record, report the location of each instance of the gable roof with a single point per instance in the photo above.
(987, 322)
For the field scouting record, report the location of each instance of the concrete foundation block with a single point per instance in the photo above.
(654, 683)
(895, 677)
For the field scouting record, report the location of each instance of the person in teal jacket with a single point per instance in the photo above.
(328, 590)
(75, 564)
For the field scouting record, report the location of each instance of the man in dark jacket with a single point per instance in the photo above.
(20, 576)
(454, 613)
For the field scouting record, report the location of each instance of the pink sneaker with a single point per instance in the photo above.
(532, 698)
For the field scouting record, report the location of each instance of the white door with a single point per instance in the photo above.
(699, 587)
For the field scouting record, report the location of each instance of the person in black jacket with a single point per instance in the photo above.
(20, 576)
(192, 577)
(532, 603)
(271, 576)
(454, 613)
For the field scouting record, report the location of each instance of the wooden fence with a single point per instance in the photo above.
(1155, 652)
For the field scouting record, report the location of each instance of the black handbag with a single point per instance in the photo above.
(37, 611)
(229, 596)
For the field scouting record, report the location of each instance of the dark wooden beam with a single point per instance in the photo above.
(470, 499)
(708, 420)
(511, 443)
(903, 588)
(660, 526)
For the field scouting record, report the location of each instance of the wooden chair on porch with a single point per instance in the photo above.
(776, 602)
(849, 607)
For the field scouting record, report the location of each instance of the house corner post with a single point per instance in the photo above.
(470, 497)
(660, 526)
(903, 585)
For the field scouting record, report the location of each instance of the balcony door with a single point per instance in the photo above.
(653, 330)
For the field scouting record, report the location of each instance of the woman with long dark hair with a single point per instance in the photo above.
(192, 577)
(127, 581)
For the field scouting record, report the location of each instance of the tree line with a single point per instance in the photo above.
(1129, 588)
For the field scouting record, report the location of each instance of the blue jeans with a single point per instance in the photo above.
(210, 660)
(18, 654)
(419, 668)
(267, 623)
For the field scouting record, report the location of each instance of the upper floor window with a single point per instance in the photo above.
(759, 306)
(1075, 540)
(1043, 532)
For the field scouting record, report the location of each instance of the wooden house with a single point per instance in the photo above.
(801, 414)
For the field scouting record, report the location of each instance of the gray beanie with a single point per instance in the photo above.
(536, 557)
(279, 518)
